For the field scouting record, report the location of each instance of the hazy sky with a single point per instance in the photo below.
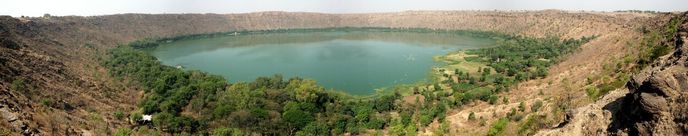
(101, 7)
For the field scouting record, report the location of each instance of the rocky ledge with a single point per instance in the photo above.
(657, 102)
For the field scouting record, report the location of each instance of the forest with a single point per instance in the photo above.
(194, 102)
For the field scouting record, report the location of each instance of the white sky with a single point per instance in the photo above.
(102, 7)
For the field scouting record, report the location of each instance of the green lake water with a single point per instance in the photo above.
(349, 61)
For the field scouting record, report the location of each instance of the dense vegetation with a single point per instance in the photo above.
(516, 59)
(194, 102)
(269, 105)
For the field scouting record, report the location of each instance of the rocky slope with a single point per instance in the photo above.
(657, 103)
(51, 81)
(653, 101)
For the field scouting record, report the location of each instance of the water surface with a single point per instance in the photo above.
(354, 62)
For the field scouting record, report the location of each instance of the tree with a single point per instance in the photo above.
(314, 129)
(522, 106)
(385, 102)
(376, 123)
(471, 116)
(411, 130)
(297, 118)
(362, 112)
(541, 72)
(174, 124)
(305, 90)
(222, 131)
(239, 95)
(222, 111)
(425, 120)
(396, 128)
(406, 118)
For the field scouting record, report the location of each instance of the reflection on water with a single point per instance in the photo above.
(355, 62)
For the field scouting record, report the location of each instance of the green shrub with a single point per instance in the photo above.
(498, 127)
(536, 106)
(437, 87)
(514, 115)
(123, 132)
(222, 132)
(376, 123)
(492, 99)
(314, 129)
(18, 85)
(471, 116)
(136, 116)
(227, 132)
(531, 125)
(175, 124)
(297, 118)
(425, 120)
(659, 51)
(396, 128)
(46, 102)
(592, 92)
(411, 130)
(118, 115)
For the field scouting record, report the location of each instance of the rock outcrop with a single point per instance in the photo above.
(657, 102)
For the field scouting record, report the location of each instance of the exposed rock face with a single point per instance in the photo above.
(657, 103)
